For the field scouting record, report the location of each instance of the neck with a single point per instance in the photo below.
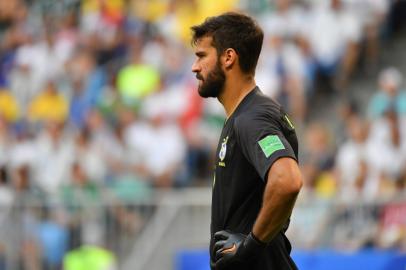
(234, 92)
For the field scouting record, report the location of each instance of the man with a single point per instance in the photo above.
(257, 178)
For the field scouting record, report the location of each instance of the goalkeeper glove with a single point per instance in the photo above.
(235, 248)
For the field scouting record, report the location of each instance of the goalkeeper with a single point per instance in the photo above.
(257, 178)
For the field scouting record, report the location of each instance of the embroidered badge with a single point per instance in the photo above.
(223, 151)
(270, 144)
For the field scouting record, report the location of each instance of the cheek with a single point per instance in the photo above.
(203, 72)
(208, 67)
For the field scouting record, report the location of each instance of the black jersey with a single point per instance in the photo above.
(253, 138)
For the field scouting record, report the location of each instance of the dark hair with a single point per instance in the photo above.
(233, 30)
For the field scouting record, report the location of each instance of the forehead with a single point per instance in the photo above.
(204, 44)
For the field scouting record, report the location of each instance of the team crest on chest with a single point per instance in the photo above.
(223, 151)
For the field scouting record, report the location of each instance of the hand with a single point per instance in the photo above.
(231, 248)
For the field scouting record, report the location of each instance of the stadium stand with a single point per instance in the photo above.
(106, 146)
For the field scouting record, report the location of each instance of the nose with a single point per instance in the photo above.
(195, 67)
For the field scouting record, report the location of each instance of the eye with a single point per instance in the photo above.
(200, 55)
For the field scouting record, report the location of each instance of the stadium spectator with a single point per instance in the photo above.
(390, 94)
(52, 239)
(89, 257)
(49, 105)
(318, 159)
(9, 109)
(36, 62)
(21, 150)
(80, 195)
(100, 27)
(385, 155)
(334, 35)
(286, 75)
(88, 156)
(23, 237)
(87, 81)
(350, 166)
(371, 15)
(54, 154)
(109, 144)
(161, 148)
(23, 185)
(137, 79)
(5, 141)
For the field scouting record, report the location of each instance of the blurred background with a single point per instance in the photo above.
(106, 149)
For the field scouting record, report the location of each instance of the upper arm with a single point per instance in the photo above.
(285, 173)
(262, 141)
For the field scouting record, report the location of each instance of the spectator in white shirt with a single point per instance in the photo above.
(334, 35)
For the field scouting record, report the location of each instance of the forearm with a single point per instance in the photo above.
(279, 199)
(274, 214)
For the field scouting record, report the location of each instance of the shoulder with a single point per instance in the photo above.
(261, 109)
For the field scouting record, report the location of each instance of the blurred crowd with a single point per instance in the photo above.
(369, 157)
(99, 93)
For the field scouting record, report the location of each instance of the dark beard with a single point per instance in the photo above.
(213, 85)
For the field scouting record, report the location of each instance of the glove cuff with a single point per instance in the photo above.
(260, 242)
(253, 243)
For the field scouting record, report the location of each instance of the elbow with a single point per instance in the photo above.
(293, 182)
(289, 184)
(286, 176)
(296, 184)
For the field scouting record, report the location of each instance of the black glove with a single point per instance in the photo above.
(235, 248)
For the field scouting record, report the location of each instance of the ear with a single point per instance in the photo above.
(229, 58)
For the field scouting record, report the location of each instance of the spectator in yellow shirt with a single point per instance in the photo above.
(9, 108)
(49, 105)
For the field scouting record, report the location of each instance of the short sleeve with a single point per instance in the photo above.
(262, 141)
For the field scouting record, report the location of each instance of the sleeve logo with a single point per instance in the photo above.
(270, 144)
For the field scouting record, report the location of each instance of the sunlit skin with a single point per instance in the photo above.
(236, 85)
(208, 71)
